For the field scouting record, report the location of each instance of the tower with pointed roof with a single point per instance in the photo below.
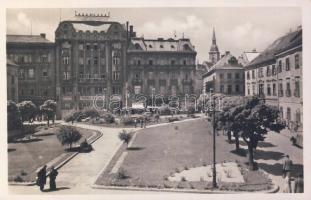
(214, 54)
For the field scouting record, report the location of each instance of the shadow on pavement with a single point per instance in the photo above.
(240, 152)
(268, 155)
(57, 189)
(134, 148)
(265, 144)
(276, 169)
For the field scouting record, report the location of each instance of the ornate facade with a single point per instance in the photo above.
(90, 61)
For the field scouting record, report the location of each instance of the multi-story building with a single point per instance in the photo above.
(276, 75)
(90, 61)
(160, 66)
(12, 80)
(225, 77)
(35, 56)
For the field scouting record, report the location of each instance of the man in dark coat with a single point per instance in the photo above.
(52, 177)
(299, 184)
(41, 177)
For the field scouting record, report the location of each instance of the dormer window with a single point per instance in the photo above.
(150, 46)
(161, 46)
(172, 46)
(137, 46)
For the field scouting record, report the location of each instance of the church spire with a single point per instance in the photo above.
(214, 37)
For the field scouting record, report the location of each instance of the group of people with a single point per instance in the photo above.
(298, 184)
(141, 121)
(41, 178)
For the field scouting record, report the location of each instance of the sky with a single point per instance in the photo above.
(238, 29)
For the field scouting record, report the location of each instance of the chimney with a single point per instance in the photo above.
(42, 35)
(227, 53)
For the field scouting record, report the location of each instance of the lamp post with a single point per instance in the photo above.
(212, 109)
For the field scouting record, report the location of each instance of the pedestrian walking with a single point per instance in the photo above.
(41, 177)
(298, 188)
(141, 122)
(53, 174)
(135, 122)
(287, 166)
(287, 185)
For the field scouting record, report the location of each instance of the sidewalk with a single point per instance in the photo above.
(77, 176)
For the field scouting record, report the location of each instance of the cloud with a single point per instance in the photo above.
(246, 37)
(23, 19)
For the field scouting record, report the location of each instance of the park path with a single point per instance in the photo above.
(77, 176)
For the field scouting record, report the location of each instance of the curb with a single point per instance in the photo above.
(194, 191)
(275, 187)
(98, 133)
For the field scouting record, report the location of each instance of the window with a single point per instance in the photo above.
(229, 76)
(80, 46)
(88, 47)
(237, 88)
(229, 89)
(281, 112)
(298, 116)
(116, 75)
(288, 114)
(88, 61)
(253, 74)
(31, 73)
(81, 61)
(268, 71)
(45, 73)
(280, 89)
(161, 46)
(95, 47)
(287, 64)
(172, 62)
(116, 89)
(184, 62)
(137, 89)
(297, 87)
(260, 72)
(268, 89)
(247, 75)
(138, 62)
(273, 70)
(43, 58)
(102, 76)
(66, 76)
(288, 91)
(66, 60)
(116, 60)
(221, 76)
(237, 76)
(261, 89)
(274, 89)
(222, 89)
(95, 60)
(297, 64)
(150, 75)
(150, 62)
(248, 90)
(254, 89)
(280, 66)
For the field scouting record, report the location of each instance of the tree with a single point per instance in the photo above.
(68, 135)
(49, 109)
(253, 120)
(125, 136)
(14, 116)
(27, 110)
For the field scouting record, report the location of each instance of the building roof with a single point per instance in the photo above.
(11, 63)
(228, 61)
(87, 27)
(247, 57)
(158, 45)
(29, 39)
(278, 45)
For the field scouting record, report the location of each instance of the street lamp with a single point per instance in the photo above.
(212, 109)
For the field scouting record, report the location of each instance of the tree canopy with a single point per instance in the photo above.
(68, 135)
(27, 110)
(14, 117)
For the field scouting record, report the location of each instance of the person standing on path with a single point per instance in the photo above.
(287, 166)
(287, 185)
(298, 188)
(41, 177)
(52, 177)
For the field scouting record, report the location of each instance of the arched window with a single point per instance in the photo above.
(137, 46)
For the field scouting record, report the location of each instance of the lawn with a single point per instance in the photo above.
(159, 152)
(24, 158)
